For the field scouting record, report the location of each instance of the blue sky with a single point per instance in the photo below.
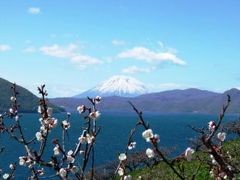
(167, 44)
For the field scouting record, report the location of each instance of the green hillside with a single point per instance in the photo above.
(197, 167)
(27, 100)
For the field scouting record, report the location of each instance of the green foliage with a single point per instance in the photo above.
(232, 149)
(163, 172)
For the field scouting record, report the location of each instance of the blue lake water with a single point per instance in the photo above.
(172, 128)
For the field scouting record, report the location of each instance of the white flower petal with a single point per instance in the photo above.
(188, 153)
(122, 157)
(147, 134)
(150, 153)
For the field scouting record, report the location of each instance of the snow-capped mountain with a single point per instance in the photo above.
(116, 86)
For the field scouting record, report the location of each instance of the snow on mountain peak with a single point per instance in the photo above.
(121, 85)
(118, 85)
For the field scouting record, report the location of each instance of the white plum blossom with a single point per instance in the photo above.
(221, 136)
(156, 138)
(40, 110)
(65, 124)
(62, 172)
(147, 134)
(70, 158)
(13, 98)
(211, 173)
(150, 153)
(56, 150)
(128, 177)
(22, 160)
(120, 171)
(39, 136)
(11, 110)
(48, 123)
(53, 123)
(49, 111)
(132, 145)
(89, 138)
(214, 162)
(81, 152)
(122, 157)
(94, 115)
(16, 118)
(6, 176)
(81, 109)
(97, 99)
(29, 162)
(43, 130)
(230, 168)
(211, 125)
(41, 172)
(70, 153)
(188, 153)
(12, 166)
(82, 139)
(74, 169)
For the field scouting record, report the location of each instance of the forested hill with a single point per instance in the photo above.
(27, 100)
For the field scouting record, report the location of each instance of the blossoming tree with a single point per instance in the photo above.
(63, 161)
(63, 158)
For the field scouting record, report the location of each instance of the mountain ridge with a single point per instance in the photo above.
(190, 100)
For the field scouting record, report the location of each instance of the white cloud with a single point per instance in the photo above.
(30, 50)
(34, 10)
(70, 52)
(4, 47)
(85, 59)
(117, 42)
(58, 51)
(142, 53)
(135, 69)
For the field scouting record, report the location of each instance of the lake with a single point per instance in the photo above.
(172, 128)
